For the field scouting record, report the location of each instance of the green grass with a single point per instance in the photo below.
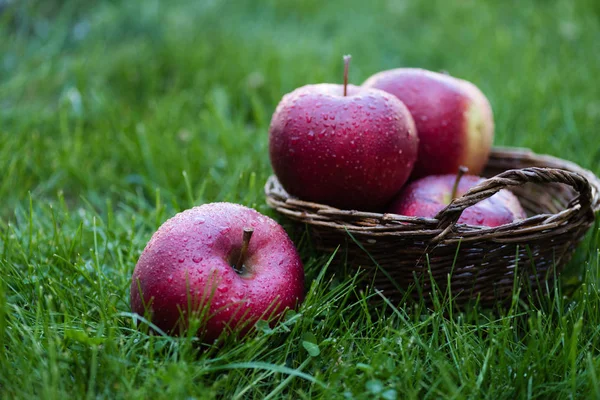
(115, 115)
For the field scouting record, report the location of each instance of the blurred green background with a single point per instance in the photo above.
(115, 96)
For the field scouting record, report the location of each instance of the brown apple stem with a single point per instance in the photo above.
(245, 243)
(461, 171)
(347, 59)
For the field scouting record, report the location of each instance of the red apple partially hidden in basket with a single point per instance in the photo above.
(426, 197)
(342, 145)
(453, 118)
(226, 264)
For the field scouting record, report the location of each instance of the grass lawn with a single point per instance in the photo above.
(115, 115)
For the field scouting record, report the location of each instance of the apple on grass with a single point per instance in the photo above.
(453, 117)
(342, 145)
(225, 264)
(426, 197)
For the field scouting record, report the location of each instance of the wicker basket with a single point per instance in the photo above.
(478, 263)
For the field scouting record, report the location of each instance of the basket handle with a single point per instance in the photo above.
(449, 216)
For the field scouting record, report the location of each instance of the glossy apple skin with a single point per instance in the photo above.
(453, 117)
(350, 152)
(188, 261)
(427, 196)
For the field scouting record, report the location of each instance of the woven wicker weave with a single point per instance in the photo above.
(560, 198)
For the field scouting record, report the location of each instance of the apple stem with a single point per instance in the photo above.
(245, 243)
(347, 59)
(461, 171)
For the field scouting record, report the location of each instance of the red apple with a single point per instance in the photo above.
(427, 196)
(225, 263)
(454, 119)
(342, 145)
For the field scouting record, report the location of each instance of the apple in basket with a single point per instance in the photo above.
(453, 117)
(225, 264)
(342, 145)
(427, 196)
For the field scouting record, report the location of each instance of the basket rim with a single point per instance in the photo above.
(443, 227)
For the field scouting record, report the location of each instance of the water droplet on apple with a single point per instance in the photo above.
(323, 132)
(311, 134)
(424, 118)
(332, 117)
(197, 259)
(318, 104)
(200, 220)
(181, 259)
(170, 278)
